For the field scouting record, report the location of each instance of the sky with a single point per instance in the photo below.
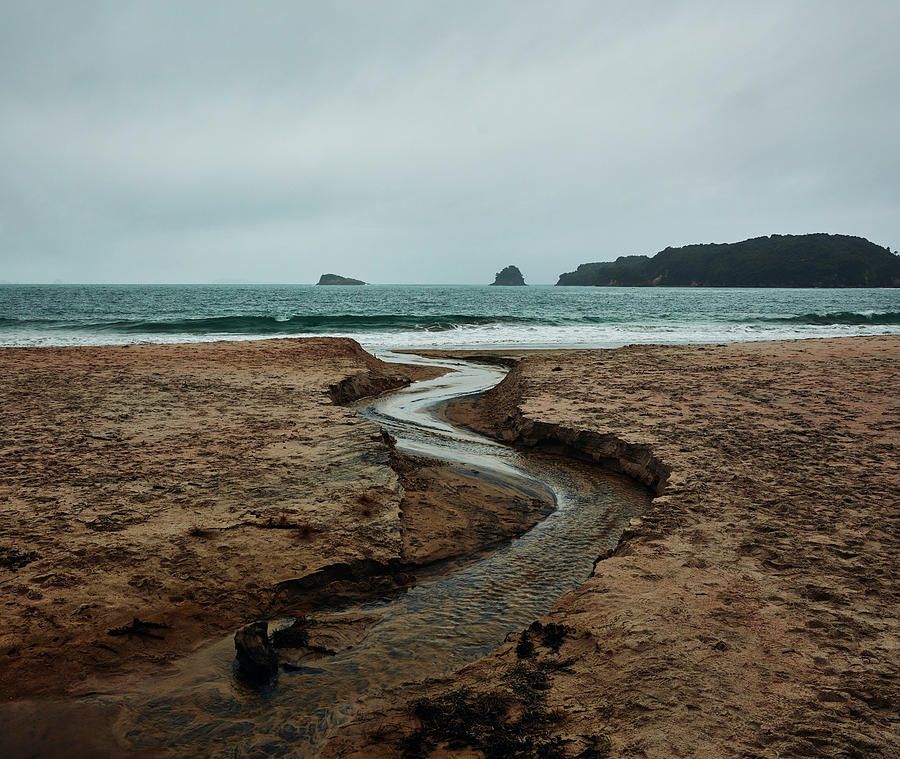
(434, 142)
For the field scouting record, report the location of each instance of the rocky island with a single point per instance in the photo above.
(814, 260)
(510, 276)
(337, 279)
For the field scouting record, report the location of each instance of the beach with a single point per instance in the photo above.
(449, 381)
(750, 612)
(157, 496)
(154, 496)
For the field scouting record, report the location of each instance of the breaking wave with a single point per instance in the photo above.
(839, 317)
(272, 325)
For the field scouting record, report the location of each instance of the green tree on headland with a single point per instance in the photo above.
(814, 260)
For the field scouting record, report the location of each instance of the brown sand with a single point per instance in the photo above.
(753, 612)
(193, 486)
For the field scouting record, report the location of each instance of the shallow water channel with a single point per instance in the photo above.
(443, 623)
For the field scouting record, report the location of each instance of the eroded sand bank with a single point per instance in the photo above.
(751, 612)
(190, 488)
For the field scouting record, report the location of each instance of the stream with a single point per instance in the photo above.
(447, 620)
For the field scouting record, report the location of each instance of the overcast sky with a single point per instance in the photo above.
(434, 141)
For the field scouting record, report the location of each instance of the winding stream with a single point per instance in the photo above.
(429, 630)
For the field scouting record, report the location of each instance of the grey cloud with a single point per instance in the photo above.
(433, 142)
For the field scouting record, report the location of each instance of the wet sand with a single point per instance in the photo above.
(152, 497)
(752, 612)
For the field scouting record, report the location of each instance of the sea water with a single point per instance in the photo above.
(437, 316)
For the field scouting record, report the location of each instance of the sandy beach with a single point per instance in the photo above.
(752, 612)
(449, 381)
(154, 496)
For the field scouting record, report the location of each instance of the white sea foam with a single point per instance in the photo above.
(494, 335)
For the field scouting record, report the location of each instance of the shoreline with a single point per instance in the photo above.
(476, 347)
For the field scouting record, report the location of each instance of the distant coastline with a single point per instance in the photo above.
(814, 260)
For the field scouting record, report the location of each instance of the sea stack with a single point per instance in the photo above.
(510, 276)
(336, 279)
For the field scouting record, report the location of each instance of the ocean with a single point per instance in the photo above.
(437, 316)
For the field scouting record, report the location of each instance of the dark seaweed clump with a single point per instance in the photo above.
(512, 723)
(550, 636)
(11, 558)
(294, 636)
